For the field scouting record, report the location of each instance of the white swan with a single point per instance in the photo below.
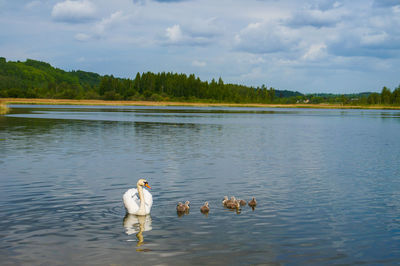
(138, 201)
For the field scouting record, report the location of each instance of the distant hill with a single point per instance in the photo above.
(349, 95)
(39, 79)
(36, 79)
(287, 94)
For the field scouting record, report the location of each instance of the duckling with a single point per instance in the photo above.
(233, 204)
(242, 202)
(205, 208)
(180, 207)
(232, 200)
(225, 200)
(253, 202)
(187, 207)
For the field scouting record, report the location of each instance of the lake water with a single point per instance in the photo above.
(327, 184)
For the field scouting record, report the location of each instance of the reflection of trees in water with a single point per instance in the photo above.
(68, 135)
(39, 134)
(31, 133)
(151, 129)
(153, 134)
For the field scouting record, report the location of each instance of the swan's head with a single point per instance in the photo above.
(143, 182)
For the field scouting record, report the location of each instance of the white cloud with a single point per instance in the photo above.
(385, 3)
(102, 29)
(74, 11)
(255, 73)
(372, 35)
(374, 38)
(266, 37)
(82, 37)
(109, 22)
(316, 51)
(317, 18)
(207, 28)
(250, 59)
(197, 63)
(32, 4)
(174, 34)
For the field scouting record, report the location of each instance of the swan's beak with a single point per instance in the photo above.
(147, 185)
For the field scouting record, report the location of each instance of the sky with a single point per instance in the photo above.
(310, 46)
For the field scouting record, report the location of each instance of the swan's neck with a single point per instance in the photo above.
(142, 210)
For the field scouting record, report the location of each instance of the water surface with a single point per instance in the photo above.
(327, 183)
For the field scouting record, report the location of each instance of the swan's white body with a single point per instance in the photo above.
(138, 201)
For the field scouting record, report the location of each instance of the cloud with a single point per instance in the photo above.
(316, 51)
(168, 1)
(74, 11)
(372, 34)
(197, 63)
(255, 73)
(109, 22)
(366, 43)
(175, 35)
(326, 4)
(204, 28)
(82, 37)
(316, 18)
(250, 42)
(373, 39)
(265, 37)
(386, 3)
(32, 4)
(102, 28)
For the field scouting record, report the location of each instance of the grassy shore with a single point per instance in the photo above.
(3, 108)
(153, 103)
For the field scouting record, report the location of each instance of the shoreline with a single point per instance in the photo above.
(154, 103)
(4, 108)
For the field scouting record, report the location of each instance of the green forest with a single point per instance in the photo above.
(36, 79)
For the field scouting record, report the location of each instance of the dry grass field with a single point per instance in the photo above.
(3, 108)
(153, 103)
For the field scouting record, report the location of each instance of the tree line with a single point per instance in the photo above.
(36, 79)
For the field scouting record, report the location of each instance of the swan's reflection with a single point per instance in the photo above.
(137, 224)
